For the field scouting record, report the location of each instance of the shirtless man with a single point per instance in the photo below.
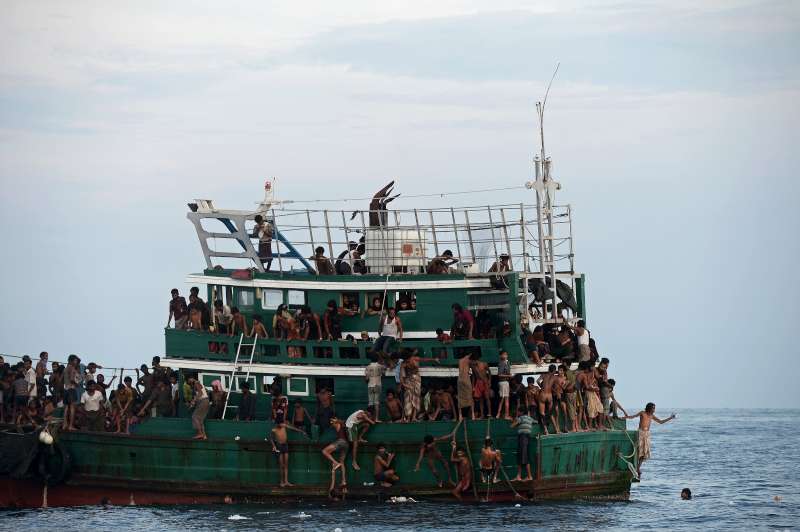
(532, 398)
(646, 417)
(444, 407)
(465, 387)
(489, 462)
(432, 455)
(459, 457)
(591, 392)
(483, 384)
(259, 331)
(394, 407)
(384, 473)
(238, 323)
(340, 446)
(280, 445)
(569, 398)
(559, 407)
(546, 382)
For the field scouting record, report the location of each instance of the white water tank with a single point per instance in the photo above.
(390, 250)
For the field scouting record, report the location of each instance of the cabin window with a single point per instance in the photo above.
(295, 298)
(375, 302)
(237, 384)
(406, 301)
(271, 299)
(266, 383)
(246, 298)
(297, 386)
(325, 382)
(350, 301)
(207, 378)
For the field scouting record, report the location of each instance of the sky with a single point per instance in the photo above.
(672, 125)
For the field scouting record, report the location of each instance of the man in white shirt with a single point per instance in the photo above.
(30, 377)
(92, 402)
(355, 432)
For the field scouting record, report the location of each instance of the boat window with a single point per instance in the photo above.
(295, 298)
(246, 298)
(266, 383)
(297, 386)
(371, 302)
(350, 301)
(237, 384)
(406, 301)
(208, 378)
(271, 299)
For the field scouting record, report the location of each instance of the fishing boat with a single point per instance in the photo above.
(384, 258)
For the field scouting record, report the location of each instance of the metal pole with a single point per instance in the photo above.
(433, 229)
(455, 232)
(347, 242)
(491, 229)
(310, 231)
(419, 237)
(277, 242)
(328, 230)
(469, 235)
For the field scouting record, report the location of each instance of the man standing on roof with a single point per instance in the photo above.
(321, 262)
(501, 265)
(263, 231)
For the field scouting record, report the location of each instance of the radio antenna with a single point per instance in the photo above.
(540, 109)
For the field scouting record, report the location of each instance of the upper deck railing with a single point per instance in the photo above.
(468, 239)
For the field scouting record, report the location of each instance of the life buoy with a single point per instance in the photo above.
(54, 464)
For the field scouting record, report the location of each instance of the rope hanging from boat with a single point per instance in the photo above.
(471, 465)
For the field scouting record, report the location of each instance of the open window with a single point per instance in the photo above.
(271, 299)
(295, 298)
(239, 379)
(375, 302)
(406, 301)
(350, 301)
(207, 378)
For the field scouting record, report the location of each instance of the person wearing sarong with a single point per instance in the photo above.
(593, 405)
(465, 388)
(412, 384)
(201, 406)
(646, 417)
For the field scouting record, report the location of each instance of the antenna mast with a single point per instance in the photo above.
(545, 188)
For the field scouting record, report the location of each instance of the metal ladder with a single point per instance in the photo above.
(235, 367)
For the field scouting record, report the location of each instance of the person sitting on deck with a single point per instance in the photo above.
(178, 310)
(309, 324)
(502, 265)
(432, 455)
(394, 408)
(358, 423)
(384, 473)
(332, 320)
(646, 417)
(359, 264)
(321, 262)
(258, 331)
(345, 259)
(464, 468)
(223, 317)
(463, 323)
(390, 330)
(263, 231)
(247, 405)
(441, 264)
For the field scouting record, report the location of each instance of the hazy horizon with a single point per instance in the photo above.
(671, 125)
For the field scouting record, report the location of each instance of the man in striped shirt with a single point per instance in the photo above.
(524, 424)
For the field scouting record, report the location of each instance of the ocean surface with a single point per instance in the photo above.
(743, 467)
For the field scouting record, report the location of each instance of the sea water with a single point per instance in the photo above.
(743, 467)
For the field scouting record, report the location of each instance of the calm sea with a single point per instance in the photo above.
(736, 462)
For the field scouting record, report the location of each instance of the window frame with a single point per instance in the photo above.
(289, 390)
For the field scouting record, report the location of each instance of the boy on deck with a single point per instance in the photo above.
(524, 424)
(280, 444)
(459, 457)
(646, 417)
(384, 473)
(504, 376)
(432, 455)
(393, 407)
